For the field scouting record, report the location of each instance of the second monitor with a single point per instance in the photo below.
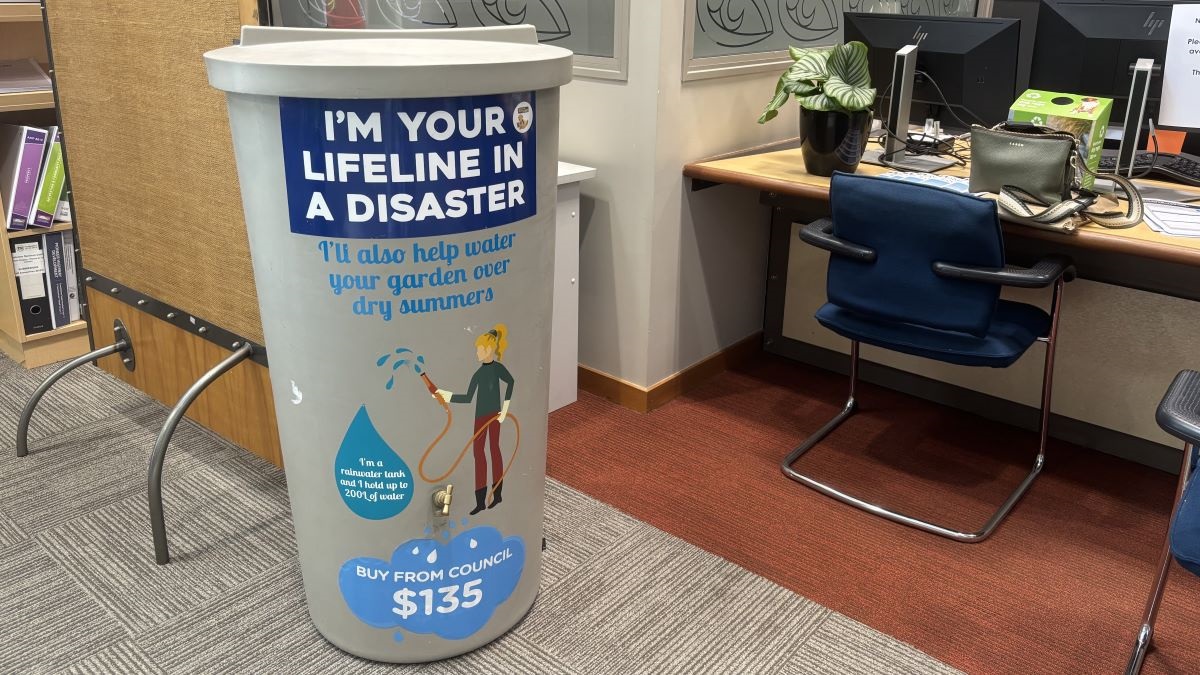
(973, 61)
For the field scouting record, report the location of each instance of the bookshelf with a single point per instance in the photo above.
(22, 35)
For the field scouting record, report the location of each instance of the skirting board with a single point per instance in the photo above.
(1068, 429)
(644, 399)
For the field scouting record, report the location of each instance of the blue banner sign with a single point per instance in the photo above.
(400, 168)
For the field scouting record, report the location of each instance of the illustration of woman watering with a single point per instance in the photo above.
(490, 410)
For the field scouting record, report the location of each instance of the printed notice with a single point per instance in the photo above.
(401, 168)
(1181, 74)
(28, 259)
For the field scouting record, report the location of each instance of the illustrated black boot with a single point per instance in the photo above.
(496, 494)
(480, 495)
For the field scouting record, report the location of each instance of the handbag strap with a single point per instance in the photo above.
(1016, 201)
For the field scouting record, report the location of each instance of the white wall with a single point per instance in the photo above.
(611, 126)
(668, 276)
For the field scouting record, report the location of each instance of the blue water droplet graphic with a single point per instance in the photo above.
(401, 350)
(372, 479)
(464, 522)
(399, 364)
(451, 524)
(390, 383)
(382, 360)
(429, 530)
(398, 637)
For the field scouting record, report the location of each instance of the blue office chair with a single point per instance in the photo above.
(918, 269)
(1179, 415)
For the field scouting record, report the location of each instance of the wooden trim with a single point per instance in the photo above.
(38, 231)
(644, 399)
(49, 347)
(20, 12)
(693, 376)
(238, 407)
(615, 389)
(26, 100)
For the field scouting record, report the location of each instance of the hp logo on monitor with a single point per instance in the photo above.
(1152, 24)
(919, 35)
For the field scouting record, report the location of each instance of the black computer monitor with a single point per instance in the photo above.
(1089, 47)
(974, 61)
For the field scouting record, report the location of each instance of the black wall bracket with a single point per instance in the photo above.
(173, 315)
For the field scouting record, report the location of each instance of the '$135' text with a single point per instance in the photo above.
(410, 602)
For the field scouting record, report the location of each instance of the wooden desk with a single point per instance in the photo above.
(1136, 258)
(781, 173)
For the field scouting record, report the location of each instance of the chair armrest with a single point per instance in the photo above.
(1179, 412)
(819, 233)
(1045, 272)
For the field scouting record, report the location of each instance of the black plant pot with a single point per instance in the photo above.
(833, 141)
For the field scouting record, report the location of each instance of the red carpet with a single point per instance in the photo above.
(1059, 588)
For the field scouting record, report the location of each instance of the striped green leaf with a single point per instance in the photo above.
(819, 101)
(810, 66)
(801, 88)
(849, 96)
(781, 97)
(848, 63)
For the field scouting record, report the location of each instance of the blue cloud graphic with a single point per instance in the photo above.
(450, 589)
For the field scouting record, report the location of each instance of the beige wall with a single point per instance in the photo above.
(667, 277)
(1118, 348)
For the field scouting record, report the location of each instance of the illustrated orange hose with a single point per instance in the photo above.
(458, 460)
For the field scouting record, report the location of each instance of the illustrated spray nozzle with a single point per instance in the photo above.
(433, 390)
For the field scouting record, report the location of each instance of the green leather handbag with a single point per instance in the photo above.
(1035, 173)
(1038, 160)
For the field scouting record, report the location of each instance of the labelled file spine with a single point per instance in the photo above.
(29, 263)
(75, 312)
(29, 164)
(56, 278)
(50, 184)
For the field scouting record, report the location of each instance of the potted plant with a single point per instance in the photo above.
(833, 87)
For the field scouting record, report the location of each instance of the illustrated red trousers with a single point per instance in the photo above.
(493, 432)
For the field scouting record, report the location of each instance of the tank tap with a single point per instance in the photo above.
(441, 500)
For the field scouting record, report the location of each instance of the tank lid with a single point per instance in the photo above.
(391, 67)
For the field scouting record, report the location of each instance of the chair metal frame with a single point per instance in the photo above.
(1051, 270)
(1145, 636)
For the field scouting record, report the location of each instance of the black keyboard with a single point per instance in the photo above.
(1181, 168)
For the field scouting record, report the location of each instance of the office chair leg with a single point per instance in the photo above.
(1145, 635)
(895, 516)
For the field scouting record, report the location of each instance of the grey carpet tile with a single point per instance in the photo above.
(122, 658)
(220, 534)
(846, 647)
(47, 620)
(95, 465)
(653, 603)
(87, 394)
(10, 532)
(81, 592)
(258, 626)
(512, 653)
(578, 528)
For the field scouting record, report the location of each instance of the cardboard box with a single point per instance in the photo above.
(1084, 116)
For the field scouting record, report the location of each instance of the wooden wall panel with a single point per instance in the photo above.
(238, 406)
(157, 203)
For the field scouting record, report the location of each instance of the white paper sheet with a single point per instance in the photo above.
(1180, 105)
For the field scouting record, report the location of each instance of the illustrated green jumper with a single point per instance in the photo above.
(490, 411)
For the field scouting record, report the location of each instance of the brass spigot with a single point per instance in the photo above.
(442, 498)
